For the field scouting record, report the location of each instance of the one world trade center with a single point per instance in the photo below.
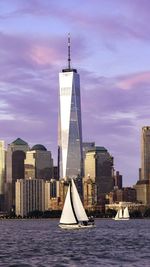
(70, 125)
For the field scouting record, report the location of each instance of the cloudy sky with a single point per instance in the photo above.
(110, 47)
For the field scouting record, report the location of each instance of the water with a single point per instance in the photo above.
(40, 243)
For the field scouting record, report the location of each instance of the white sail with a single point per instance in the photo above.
(77, 204)
(120, 213)
(117, 215)
(67, 216)
(126, 213)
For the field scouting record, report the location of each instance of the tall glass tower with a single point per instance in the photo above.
(70, 127)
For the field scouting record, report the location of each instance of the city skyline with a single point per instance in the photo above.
(110, 49)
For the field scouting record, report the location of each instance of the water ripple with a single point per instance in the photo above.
(40, 243)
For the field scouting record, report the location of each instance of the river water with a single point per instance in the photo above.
(40, 243)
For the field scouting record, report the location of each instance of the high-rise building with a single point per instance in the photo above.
(143, 184)
(87, 146)
(2, 173)
(70, 128)
(16, 153)
(38, 163)
(145, 153)
(99, 170)
(31, 195)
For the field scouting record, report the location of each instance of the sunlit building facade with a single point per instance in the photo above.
(145, 153)
(38, 163)
(143, 184)
(70, 130)
(31, 195)
(2, 173)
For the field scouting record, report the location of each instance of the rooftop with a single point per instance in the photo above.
(19, 142)
(98, 148)
(39, 147)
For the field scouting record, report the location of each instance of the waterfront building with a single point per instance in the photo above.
(143, 184)
(38, 163)
(70, 159)
(132, 206)
(99, 168)
(15, 156)
(2, 174)
(31, 194)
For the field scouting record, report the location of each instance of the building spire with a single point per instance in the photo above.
(69, 59)
(69, 69)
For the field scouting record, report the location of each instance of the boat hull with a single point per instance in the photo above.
(75, 226)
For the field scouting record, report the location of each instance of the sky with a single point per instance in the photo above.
(110, 42)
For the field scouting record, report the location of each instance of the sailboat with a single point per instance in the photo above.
(73, 214)
(122, 215)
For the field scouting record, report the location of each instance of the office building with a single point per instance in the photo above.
(143, 184)
(38, 163)
(2, 174)
(99, 169)
(70, 158)
(145, 153)
(31, 195)
(15, 156)
(87, 146)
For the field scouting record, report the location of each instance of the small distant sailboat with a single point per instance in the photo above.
(122, 215)
(73, 214)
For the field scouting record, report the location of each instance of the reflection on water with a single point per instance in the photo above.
(41, 243)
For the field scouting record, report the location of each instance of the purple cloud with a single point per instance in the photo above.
(131, 20)
(114, 106)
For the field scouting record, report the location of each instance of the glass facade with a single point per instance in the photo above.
(70, 128)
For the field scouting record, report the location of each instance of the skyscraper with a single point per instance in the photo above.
(145, 153)
(143, 184)
(2, 173)
(70, 128)
(87, 146)
(98, 173)
(16, 153)
(31, 195)
(38, 163)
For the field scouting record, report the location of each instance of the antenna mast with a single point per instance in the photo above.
(69, 59)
